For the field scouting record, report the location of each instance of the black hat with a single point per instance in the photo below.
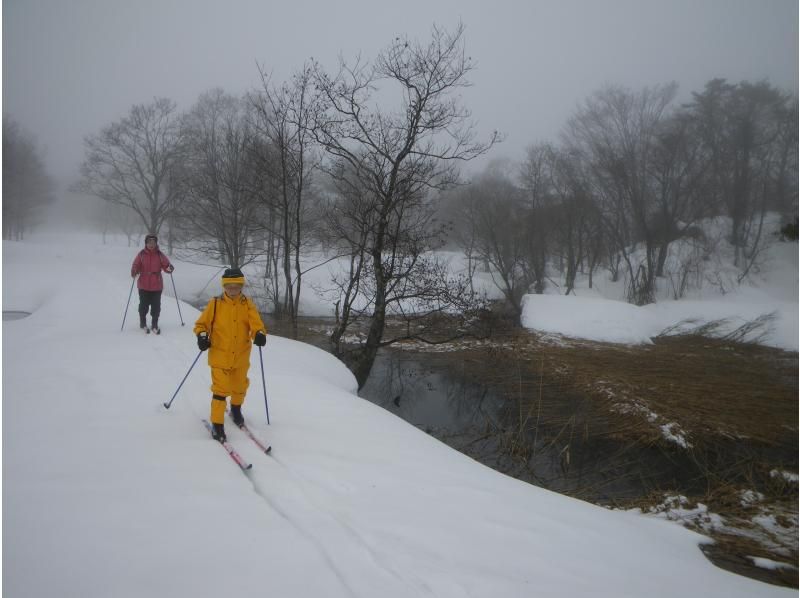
(232, 276)
(150, 236)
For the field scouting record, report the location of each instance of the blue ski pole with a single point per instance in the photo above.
(176, 298)
(263, 383)
(167, 405)
(127, 305)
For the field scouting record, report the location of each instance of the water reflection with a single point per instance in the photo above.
(425, 394)
(506, 418)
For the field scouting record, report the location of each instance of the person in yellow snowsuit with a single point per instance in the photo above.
(227, 327)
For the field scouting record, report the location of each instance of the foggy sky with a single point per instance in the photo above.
(71, 67)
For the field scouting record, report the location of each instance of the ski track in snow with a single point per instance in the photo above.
(315, 542)
(346, 527)
(324, 519)
(260, 489)
(301, 497)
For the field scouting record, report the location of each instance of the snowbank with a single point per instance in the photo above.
(600, 314)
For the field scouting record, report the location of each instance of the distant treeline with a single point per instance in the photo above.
(27, 188)
(632, 173)
(362, 165)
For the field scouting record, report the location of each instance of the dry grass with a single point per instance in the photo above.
(732, 552)
(710, 388)
(738, 537)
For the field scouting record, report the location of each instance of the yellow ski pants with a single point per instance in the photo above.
(231, 383)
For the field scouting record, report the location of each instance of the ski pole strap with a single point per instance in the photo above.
(213, 317)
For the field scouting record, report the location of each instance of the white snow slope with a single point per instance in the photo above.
(106, 493)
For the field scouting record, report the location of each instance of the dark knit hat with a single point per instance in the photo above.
(150, 236)
(232, 276)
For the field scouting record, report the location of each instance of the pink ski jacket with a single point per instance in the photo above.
(149, 264)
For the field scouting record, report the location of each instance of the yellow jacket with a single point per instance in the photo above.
(231, 325)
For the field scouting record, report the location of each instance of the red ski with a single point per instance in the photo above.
(264, 447)
(259, 444)
(244, 465)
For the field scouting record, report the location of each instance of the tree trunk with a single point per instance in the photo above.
(362, 365)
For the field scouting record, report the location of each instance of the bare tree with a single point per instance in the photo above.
(499, 223)
(27, 188)
(678, 177)
(283, 117)
(785, 195)
(118, 218)
(536, 176)
(615, 132)
(571, 217)
(219, 180)
(786, 171)
(748, 134)
(390, 161)
(536, 173)
(132, 162)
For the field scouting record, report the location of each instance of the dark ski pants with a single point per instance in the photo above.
(149, 300)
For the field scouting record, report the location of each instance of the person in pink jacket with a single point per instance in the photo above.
(148, 265)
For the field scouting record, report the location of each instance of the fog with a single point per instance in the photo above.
(70, 68)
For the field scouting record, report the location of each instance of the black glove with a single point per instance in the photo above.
(170, 268)
(260, 339)
(202, 341)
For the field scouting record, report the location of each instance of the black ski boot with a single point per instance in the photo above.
(218, 432)
(236, 414)
(142, 322)
(155, 327)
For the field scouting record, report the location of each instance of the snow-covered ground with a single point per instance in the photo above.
(600, 314)
(106, 493)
